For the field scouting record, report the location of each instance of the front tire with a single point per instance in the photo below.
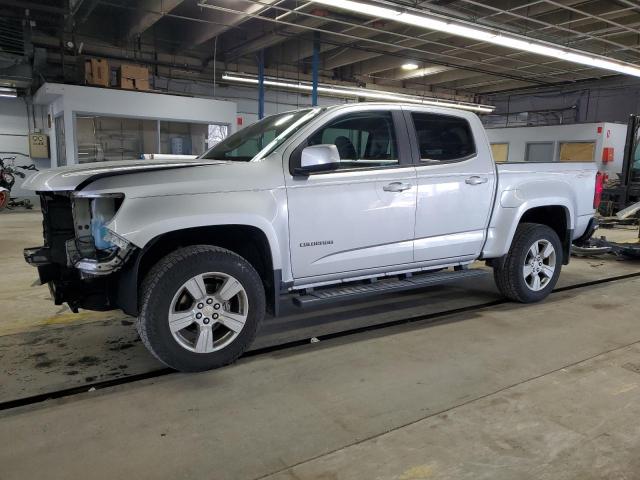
(531, 269)
(200, 308)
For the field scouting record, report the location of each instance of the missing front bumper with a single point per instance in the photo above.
(41, 256)
(105, 266)
(37, 256)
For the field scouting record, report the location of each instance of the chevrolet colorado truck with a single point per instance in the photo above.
(312, 206)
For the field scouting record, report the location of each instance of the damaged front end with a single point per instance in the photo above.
(82, 259)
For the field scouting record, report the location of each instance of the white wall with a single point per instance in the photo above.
(611, 135)
(69, 100)
(14, 140)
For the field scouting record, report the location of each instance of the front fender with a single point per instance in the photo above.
(140, 220)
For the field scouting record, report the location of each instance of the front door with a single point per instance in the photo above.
(360, 217)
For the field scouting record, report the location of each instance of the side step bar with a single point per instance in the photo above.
(382, 286)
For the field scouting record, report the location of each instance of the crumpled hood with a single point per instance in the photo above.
(76, 176)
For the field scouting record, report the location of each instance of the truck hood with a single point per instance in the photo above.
(77, 176)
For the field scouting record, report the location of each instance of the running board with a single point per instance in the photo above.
(343, 292)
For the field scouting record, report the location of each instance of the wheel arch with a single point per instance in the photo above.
(554, 213)
(556, 217)
(248, 241)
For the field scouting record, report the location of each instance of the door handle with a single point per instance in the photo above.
(476, 180)
(396, 187)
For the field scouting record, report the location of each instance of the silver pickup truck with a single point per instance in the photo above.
(312, 206)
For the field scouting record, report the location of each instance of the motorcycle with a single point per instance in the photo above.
(8, 174)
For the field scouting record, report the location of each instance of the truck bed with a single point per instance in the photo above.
(523, 186)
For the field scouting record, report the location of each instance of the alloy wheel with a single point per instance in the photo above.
(208, 312)
(539, 265)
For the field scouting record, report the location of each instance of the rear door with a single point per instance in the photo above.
(456, 182)
(360, 217)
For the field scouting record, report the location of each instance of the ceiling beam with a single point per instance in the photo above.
(226, 14)
(501, 86)
(450, 76)
(272, 39)
(147, 13)
(378, 64)
(305, 48)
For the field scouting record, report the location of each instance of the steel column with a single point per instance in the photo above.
(261, 84)
(316, 67)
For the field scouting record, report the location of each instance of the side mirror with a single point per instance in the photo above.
(318, 158)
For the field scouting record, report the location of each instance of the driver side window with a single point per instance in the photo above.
(363, 139)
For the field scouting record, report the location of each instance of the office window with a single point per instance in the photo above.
(500, 152)
(577, 151)
(101, 138)
(539, 152)
(184, 138)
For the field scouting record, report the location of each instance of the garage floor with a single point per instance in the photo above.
(501, 390)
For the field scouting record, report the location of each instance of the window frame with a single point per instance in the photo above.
(400, 133)
(415, 143)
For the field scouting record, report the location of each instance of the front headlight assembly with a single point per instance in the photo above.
(96, 250)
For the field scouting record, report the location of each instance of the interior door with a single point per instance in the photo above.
(361, 216)
(456, 182)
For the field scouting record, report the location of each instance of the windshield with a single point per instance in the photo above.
(259, 139)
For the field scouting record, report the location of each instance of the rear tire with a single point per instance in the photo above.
(200, 308)
(531, 269)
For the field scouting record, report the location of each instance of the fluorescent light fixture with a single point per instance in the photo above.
(409, 66)
(429, 23)
(424, 72)
(8, 92)
(336, 91)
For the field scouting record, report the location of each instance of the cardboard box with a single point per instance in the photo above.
(133, 77)
(97, 72)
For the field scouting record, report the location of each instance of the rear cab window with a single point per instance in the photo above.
(443, 138)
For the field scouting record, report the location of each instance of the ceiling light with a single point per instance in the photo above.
(8, 92)
(409, 66)
(508, 40)
(424, 72)
(337, 91)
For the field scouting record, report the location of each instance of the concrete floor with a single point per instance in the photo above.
(509, 391)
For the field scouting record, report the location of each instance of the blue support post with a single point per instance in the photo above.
(261, 84)
(316, 67)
